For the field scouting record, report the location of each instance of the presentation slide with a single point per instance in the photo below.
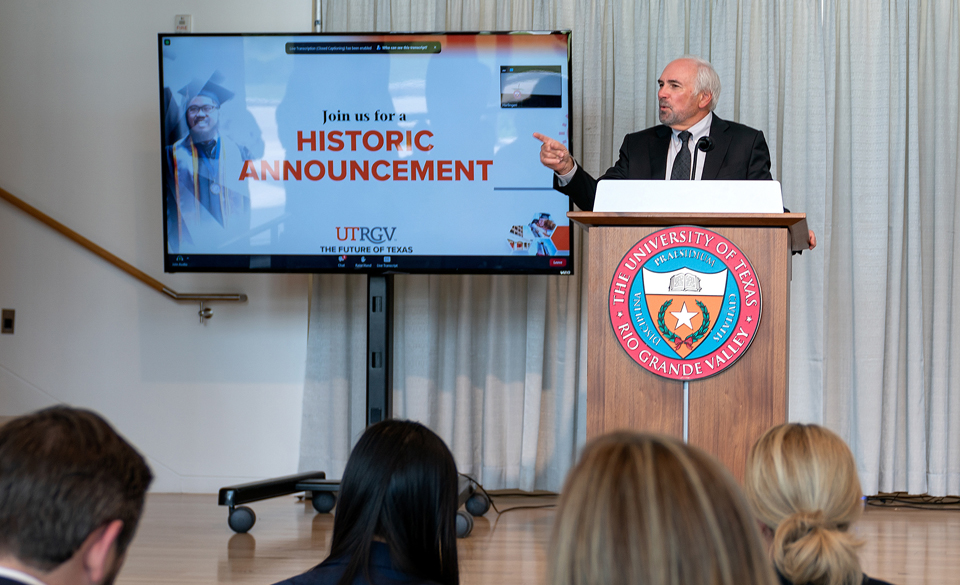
(363, 153)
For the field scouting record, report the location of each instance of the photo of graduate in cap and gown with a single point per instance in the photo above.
(208, 207)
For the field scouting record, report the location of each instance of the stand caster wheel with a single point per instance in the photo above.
(241, 519)
(323, 502)
(478, 504)
(464, 524)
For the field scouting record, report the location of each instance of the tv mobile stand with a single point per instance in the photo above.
(323, 491)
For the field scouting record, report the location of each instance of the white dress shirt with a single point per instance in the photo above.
(19, 576)
(699, 130)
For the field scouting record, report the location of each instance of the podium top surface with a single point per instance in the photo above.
(590, 219)
(640, 196)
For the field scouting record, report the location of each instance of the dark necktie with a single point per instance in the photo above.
(681, 164)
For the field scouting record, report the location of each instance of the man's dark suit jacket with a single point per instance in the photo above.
(6, 581)
(739, 153)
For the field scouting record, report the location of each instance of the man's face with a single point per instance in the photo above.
(203, 117)
(680, 105)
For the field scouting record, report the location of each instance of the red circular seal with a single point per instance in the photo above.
(685, 303)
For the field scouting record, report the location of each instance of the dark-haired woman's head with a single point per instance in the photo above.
(399, 486)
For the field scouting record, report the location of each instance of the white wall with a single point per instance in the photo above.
(208, 404)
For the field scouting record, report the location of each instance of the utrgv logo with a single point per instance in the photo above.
(685, 303)
(374, 235)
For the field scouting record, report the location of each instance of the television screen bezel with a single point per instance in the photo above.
(300, 263)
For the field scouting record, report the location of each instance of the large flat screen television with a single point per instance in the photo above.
(370, 153)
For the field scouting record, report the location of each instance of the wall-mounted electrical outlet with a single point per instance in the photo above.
(184, 23)
(6, 320)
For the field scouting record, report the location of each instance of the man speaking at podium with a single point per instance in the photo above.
(689, 90)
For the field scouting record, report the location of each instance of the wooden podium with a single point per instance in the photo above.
(728, 411)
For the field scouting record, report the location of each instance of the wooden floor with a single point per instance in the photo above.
(184, 539)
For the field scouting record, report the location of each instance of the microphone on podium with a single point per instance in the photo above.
(706, 145)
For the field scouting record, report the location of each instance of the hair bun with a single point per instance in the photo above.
(798, 526)
(810, 549)
(809, 520)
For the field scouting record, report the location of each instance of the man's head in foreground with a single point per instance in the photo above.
(71, 494)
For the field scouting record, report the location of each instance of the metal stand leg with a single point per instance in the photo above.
(379, 347)
(379, 407)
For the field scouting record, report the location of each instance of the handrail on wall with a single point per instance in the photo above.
(117, 261)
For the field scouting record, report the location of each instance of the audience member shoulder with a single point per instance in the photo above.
(382, 571)
(865, 581)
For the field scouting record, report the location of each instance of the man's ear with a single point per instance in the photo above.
(100, 551)
(703, 100)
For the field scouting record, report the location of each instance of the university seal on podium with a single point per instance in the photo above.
(685, 303)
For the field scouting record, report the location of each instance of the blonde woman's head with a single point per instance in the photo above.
(646, 509)
(802, 485)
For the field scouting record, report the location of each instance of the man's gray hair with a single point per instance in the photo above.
(707, 79)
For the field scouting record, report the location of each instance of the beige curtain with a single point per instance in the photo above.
(890, 383)
(859, 102)
(930, 351)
